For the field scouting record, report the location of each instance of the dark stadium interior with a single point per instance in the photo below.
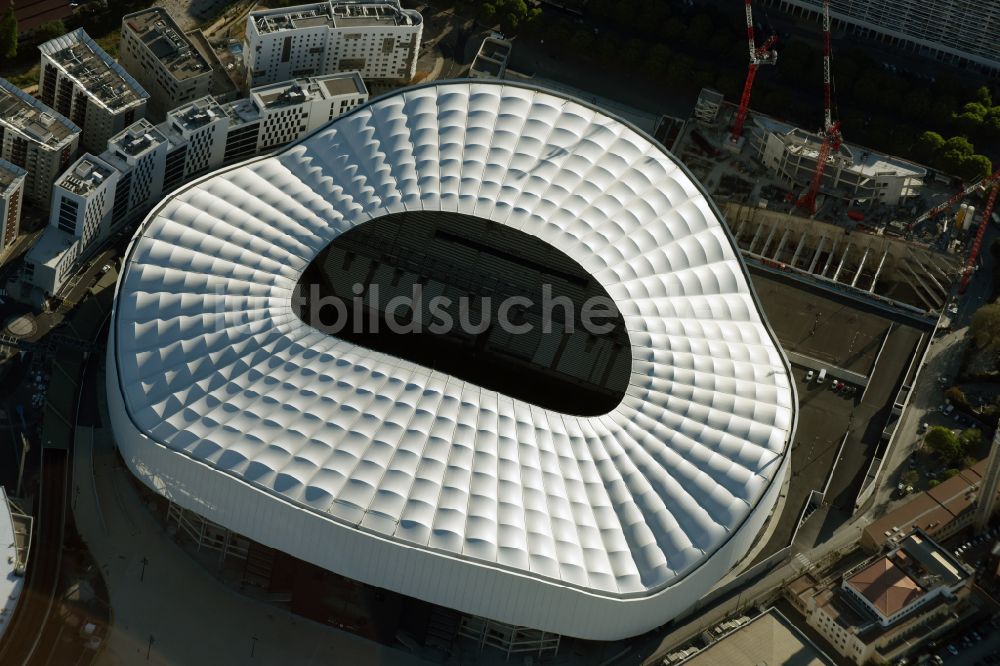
(473, 266)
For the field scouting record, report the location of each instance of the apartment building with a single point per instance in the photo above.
(82, 82)
(960, 32)
(855, 175)
(82, 199)
(197, 135)
(139, 153)
(378, 39)
(163, 60)
(12, 179)
(36, 138)
(99, 195)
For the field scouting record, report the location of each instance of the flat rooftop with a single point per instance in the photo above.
(195, 114)
(86, 175)
(32, 119)
(9, 173)
(103, 79)
(50, 248)
(334, 15)
(298, 91)
(164, 38)
(767, 639)
(137, 138)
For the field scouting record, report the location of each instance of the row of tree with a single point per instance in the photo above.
(8, 34)
(956, 156)
(513, 15)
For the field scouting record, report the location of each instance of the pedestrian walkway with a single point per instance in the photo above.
(167, 609)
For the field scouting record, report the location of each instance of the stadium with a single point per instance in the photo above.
(588, 484)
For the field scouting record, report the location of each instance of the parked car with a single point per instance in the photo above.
(922, 428)
(809, 376)
(948, 409)
(952, 650)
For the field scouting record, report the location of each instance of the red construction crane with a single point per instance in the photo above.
(937, 210)
(765, 55)
(977, 244)
(831, 130)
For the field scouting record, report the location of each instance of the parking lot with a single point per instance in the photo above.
(825, 415)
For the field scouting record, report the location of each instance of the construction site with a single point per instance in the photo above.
(824, 211)
(838, 237)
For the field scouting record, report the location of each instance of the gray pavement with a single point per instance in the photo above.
(167, 605)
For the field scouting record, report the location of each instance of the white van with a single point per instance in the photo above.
(821, 377)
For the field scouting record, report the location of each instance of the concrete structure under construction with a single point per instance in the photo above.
(854, 175)
(378, 38)
(12, 178)
(36, 138)
(82, 82)
(887, 606)
(961, 32)
(905, 275)
(163, 60)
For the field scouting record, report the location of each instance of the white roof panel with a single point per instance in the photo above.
(213, 366)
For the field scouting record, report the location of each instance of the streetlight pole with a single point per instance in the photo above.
(25, 447)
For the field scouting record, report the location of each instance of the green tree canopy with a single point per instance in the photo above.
(944, 442)
(970, 439)
(975, 167)
(928, 146)
(985, 325)
(8, 33)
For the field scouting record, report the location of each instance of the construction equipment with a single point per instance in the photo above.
(831, 130)
(765, 55)
(977, 244)
(937, 210)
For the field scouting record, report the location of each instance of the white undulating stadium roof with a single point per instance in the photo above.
(402, 477)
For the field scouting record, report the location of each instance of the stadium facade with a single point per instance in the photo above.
(225, 402)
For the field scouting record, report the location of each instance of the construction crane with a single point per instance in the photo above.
(765, 55)
(977, 244)
(937, 210)
(831, 130)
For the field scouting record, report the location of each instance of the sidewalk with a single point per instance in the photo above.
(190, 617)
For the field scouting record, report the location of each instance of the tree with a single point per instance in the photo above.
(933, 483)
(948, 473)
(928, 146)
(944, 442)
(975, 167)
(984, 97)
(985, 325)
(910, 477)
(487, 14)
(959, 144)
(970, 439)
(956, 397)
(49, 30)
(8, 33)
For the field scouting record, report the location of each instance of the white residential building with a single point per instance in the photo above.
(379, 39)
(12, 179)
(853, 174)
(82, 82)
(36, 138)
(961, 32)
(164, 61)
(144, 162)
(139, 153)
(82, 199)
(197, 135)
